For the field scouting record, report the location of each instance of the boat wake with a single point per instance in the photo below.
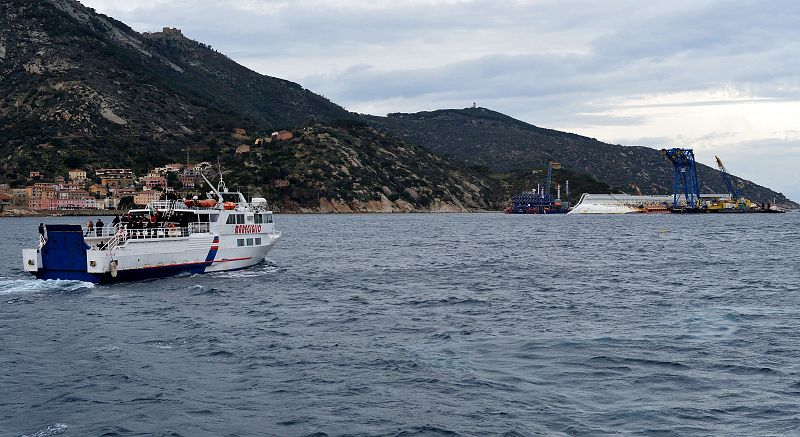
(265, 268)
(54, 429)
(29, 286)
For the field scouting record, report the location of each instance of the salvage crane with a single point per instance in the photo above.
(550, 167)
(736, 194)
(737, 203)
(685, 178)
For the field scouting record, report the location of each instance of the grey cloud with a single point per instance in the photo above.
(552, 63)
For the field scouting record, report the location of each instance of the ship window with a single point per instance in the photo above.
(258, 242)
(269, 218)
(259, 218)
(240, 242)
(249, 219)
(239, 219)
(231, 220)
(249, 241)
(213, 218)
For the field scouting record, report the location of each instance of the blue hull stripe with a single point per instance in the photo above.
(72, 273)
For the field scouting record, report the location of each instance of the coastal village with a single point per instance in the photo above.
(114, 189)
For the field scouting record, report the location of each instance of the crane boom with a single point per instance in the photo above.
(736, 194)
(549, 181)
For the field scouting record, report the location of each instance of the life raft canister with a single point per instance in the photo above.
(229, 205)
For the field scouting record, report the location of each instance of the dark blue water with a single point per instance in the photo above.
(447, 324)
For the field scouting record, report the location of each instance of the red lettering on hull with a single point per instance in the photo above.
(247, 229)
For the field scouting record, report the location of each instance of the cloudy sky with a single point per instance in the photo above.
(720, 76)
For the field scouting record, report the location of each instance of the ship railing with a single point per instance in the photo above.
(115, 240)
(124, 234)
(163, 205)
(199, 228)
(154, 233)
(105, 231)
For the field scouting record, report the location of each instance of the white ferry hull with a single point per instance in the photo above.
(184, 240)
(143, 259)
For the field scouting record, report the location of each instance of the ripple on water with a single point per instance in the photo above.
(426, 325)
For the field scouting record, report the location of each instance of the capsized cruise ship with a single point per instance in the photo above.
(628, 204)
(222, 232)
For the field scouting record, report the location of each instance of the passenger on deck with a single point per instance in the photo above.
(89, 228)
(99, 227)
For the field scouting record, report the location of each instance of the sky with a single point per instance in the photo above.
(721, 77)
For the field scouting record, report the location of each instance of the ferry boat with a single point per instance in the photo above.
(168, 237)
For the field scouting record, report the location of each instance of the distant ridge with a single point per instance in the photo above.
(482, 137)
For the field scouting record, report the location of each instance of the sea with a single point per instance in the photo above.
(423, 324)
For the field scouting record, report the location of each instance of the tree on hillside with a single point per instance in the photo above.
(126, 203)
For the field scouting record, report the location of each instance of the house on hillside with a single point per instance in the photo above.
(75, 199)
(77, 175)
(71, 186)
(124, 192)
(42, 196)
(188, 181)
(35, 175)
(115, 177)
(19, 196)
(242, 149)
(280, 183)
(98, 190)
(142, 198)
(151, 182)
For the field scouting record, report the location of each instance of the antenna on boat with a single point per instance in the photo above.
(221, 186)
(216, 191)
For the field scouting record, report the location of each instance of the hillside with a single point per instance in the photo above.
(481, 137)
(84, 90)
(350, 167)
(82, 84)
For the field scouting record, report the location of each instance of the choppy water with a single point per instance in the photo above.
(424, 325)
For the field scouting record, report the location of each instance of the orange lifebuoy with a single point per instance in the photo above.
(171, 226)
(229, 205)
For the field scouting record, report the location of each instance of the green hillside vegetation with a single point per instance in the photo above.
(347, 166)
(81, 84)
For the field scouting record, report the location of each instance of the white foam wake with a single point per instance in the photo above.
(27, 286)
(54, 429)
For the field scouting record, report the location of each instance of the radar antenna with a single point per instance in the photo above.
(221, 187)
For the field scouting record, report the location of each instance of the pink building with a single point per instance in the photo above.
(74, 199)
(41, 195)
